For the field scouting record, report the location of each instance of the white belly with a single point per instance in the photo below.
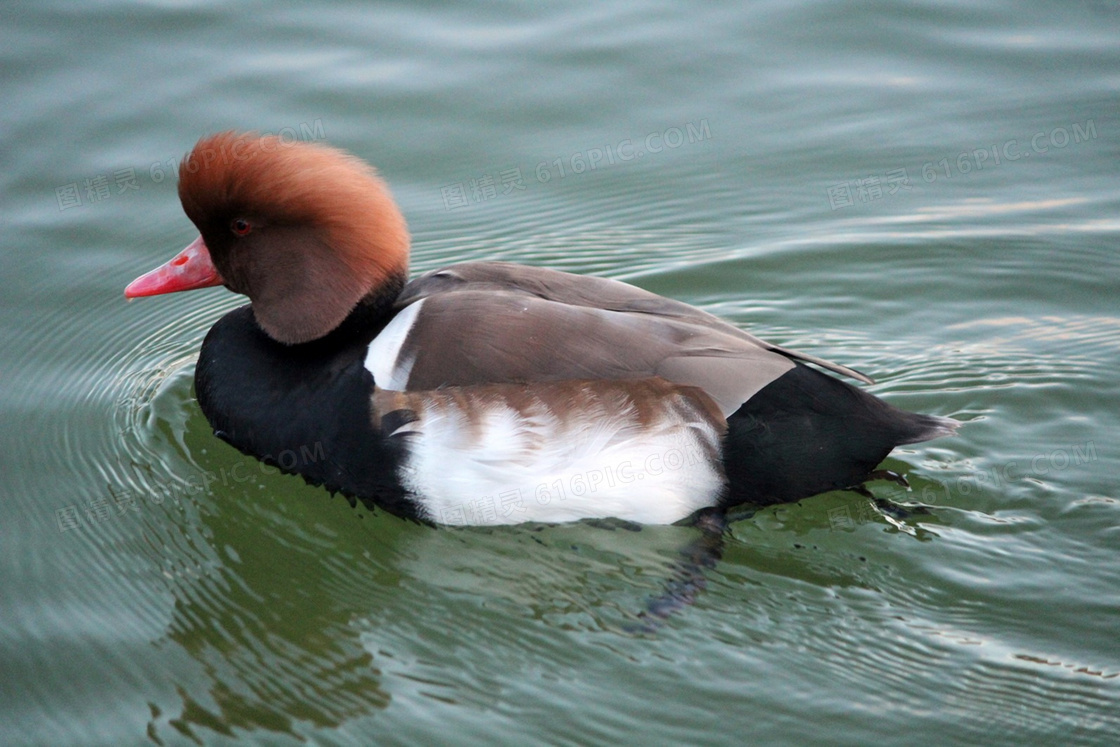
(557, 453)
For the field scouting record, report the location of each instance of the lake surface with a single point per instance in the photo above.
(926, 191)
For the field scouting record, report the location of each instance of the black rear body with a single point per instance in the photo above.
(807, 433)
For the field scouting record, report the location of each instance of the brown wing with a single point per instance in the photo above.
(589, 291)
(493, 322)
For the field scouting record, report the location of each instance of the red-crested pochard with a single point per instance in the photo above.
(487, 392)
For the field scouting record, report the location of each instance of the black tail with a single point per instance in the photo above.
(807, 433)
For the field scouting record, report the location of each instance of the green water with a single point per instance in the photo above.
(926, 191)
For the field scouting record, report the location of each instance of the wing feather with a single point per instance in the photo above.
(494, 322)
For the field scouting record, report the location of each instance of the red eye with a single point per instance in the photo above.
(241, 227)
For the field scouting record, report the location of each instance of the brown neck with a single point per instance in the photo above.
(362, 323)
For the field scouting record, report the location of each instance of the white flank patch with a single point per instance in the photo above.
(383, 359)
(509, 467)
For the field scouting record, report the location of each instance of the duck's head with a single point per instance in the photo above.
(306, 231)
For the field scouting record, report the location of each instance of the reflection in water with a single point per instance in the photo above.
(282, 593)
(260, 609)
(294, 609)
(265, 615)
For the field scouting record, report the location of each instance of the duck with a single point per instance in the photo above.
(488, 393)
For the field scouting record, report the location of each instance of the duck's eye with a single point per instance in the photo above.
(241, 227)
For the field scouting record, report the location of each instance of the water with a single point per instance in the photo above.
(925, 191)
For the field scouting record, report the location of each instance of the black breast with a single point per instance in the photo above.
(304, 408)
